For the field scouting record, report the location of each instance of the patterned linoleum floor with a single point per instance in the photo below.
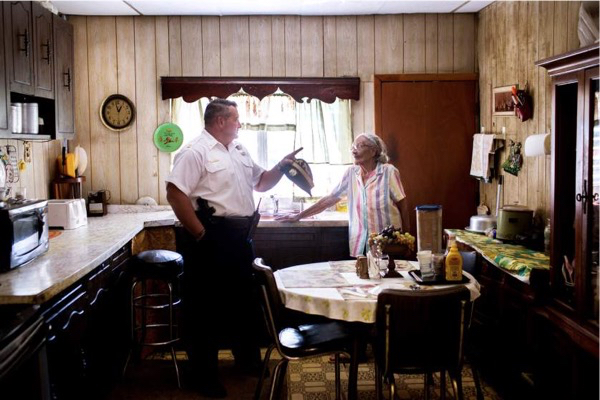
(314, 380)
(310, 379)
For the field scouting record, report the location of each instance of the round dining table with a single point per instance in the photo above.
(333, 289)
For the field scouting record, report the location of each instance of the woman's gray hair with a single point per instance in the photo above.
(378, 144)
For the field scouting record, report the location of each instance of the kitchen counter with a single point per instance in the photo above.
(75, 253)
(324, 219)
(514, 259)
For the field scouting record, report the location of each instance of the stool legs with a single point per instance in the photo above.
(171, 334)
(137, 343)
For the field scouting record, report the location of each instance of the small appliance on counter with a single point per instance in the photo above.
(98, 203)
(23, 232)
(67, 213)
(513, 221)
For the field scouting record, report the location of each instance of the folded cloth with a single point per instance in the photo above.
(482, 152)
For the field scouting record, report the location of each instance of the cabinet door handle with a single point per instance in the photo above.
(25, 48)
(584, 197)
(67, 76)
(48, 51)
(73, 314)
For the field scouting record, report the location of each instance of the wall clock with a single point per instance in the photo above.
(117, 112)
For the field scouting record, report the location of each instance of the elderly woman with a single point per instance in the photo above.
(374, 190)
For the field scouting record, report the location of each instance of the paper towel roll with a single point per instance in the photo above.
(537, 145)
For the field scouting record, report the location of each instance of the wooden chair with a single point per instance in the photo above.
(421, 331)
(293, 341)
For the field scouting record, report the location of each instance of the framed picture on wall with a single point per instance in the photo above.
(502, 100)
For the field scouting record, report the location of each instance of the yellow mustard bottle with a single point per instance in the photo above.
(454, 264)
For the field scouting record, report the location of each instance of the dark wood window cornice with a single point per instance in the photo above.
(324, 89)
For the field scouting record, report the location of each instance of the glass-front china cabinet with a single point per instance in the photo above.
(575, 187)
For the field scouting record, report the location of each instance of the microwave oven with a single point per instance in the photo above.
(23, 232)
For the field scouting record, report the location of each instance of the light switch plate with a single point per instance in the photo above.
(27, 152)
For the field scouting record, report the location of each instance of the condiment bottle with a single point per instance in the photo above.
(454, 264)
(450, 242)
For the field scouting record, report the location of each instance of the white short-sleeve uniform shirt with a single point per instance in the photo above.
(224, 176)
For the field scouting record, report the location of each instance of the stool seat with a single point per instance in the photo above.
(157, 264)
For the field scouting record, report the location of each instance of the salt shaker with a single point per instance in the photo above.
(362, 268)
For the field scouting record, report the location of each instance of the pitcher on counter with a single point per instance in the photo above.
(375, 194)
(218, 294)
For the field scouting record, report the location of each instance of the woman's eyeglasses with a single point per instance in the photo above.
(359, 146)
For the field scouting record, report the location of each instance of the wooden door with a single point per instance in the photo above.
(64, 61)
(18, 37)
(42, 51)
(428, 122)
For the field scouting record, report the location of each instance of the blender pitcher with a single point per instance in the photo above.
(429, 228)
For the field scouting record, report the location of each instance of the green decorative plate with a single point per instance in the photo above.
(168, 137)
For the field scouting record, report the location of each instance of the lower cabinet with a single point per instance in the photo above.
(284, 247)
(88, 335)
(565, 357)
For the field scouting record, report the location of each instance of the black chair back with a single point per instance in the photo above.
(421, 329)
(274, 309)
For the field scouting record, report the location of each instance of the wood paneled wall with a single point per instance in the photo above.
(129, 54)
(511, 37)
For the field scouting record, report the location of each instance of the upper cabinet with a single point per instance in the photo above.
(4, 93)
(64, 61)
(43, 62)
(37, 48)
(28, 38)
(18, 35)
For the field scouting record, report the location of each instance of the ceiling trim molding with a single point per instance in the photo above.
(324, 89)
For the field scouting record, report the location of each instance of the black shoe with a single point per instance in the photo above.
(213, 389)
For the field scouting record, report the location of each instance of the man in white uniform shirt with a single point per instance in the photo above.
(218, 294)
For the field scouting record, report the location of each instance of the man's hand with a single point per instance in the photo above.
(270, 178)
(288, 160)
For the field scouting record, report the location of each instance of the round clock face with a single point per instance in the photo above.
(117, 112)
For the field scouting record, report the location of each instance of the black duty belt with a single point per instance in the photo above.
(232, 222)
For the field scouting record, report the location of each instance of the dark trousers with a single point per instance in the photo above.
(220, 302)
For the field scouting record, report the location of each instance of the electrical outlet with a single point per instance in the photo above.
(27, 152)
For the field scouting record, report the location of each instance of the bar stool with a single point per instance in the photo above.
(164, 266)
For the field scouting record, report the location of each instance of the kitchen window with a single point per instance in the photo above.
(275, 126)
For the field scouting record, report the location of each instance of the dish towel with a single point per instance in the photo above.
(482, 152)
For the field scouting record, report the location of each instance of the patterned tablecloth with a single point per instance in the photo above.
(517, 260)
(333, 289)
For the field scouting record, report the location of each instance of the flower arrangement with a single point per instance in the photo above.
(392, 241)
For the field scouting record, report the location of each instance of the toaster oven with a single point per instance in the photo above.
(23, 232)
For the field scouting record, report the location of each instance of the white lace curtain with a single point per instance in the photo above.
(324, 130)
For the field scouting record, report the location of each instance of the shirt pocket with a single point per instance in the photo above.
(216, 175)
(248, 166)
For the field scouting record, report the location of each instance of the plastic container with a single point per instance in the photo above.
(429, 228)
(547, 238)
